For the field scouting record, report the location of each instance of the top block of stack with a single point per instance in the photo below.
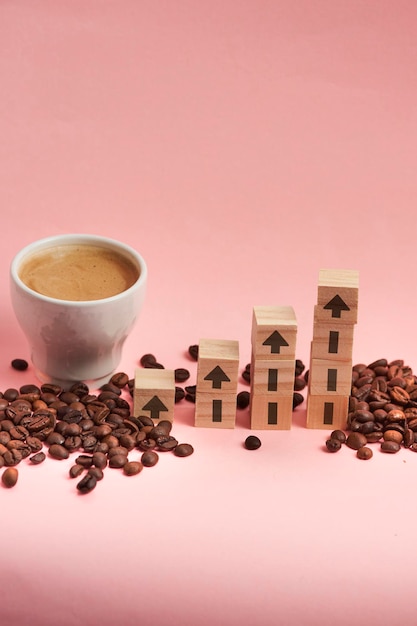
(274, 332)
(337, 298)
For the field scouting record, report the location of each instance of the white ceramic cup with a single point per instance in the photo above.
(76, 340)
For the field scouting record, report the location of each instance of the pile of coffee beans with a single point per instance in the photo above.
(47, 421)
(382, 409)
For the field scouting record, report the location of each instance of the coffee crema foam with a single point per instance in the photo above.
(78, 272)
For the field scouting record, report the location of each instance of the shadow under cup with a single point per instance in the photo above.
(76, 340)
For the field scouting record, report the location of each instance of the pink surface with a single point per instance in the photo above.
(240, 147)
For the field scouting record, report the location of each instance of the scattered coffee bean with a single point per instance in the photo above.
(243, 399)
(87, 484)
(297, 399)
(356, 440)
(338, 434)
(37, 458)
(364, 453)
(193, 352)
(9, 477)
(391, 447)
(179, 394)
(181, 375)
(252, 442)
(58, 452)
(76, 470)
(333, 445)
(132, 468)
(149, 458)
(183, 449)
(20, 364)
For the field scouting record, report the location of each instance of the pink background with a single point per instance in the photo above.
(240, 147)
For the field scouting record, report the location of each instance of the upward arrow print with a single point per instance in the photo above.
(336, 305)
(276, 341)
(155, 406)
(217, 377)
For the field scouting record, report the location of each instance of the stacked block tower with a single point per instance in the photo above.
(274, 333)
(216, 389)
(330, 374)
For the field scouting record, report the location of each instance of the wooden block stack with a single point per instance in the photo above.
(274, 334)
(154, 394)
(330, 375)
(216, 389)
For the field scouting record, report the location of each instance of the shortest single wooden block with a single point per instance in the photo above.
(215, 410)
(271, 412)
(154, 393)
(324, 412)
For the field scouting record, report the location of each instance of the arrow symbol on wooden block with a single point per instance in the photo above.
(276, 341)
(336, 305)
(155, 406)
(217, 377)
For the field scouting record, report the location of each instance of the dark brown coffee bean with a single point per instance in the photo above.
(193, 352)
(99, 460)
(37, 458)
(58, 452)
(393, 435)
(243, 399)
(374, 436)
(19, 364)
(333, 445)
(166, 443)
(299, 367)
(356, 441)
(11, 394)
(391, 447)
(76, 470)
(246, 375)
(12, 457)
(252, 442)
(364, 453)
(147, 358)
(85, 460)
(183, 449)
(9, 477)
(149, 458)
(87, 484)
(297, 399)
(120, 379)
(132, 468)
(408, 437)
(179, 394)
(338, 434)
(96, 472)
(118, 460)
(299, 383)
(181, 374)
(55, 437)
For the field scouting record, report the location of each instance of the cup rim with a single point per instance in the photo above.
(81, 238)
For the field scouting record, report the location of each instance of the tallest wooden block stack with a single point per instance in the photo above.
(330, 375)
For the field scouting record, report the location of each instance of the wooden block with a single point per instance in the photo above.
(330, 377)
(218, 366)
(215, 410)
(272, 377)
(274, 332)
(332, 341)
(154, 393)
(337, 296)
(271, 412)
(327, 412)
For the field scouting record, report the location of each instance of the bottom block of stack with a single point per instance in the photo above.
(326, 411)
(271, 412)
(215, 410)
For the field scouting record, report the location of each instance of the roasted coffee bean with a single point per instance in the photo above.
(391, 447)
(333, 445)
(118, 460)
(179, 394)
(149, 458)
(85, 460)
(4, 437)
(243, 399)
(299, 383)
(365, 453)
(165, 425)
(58, 452)
(96, 472)
(374, 436)
(12, 457)
(181, 375)
(356, 441)
(9, 477)
(146, 359)
(408, 438)
(120, 379)
(252, 442)
(338, 434)
(19, 364)
(393, 435)
(34, 443)
(246, 374)
(146, 444)
(73, 443)
(37, 458)
(183, 449)
(297, 399)
(193, 352)
(76, 470)
(87, 483)
(166, 443)
(11, 394)
(55, 437)
(299, 367)
(99, 460)
(132, 468)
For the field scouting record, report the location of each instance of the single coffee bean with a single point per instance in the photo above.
(96, 472)
(37, 458)
(118, 460)
(131, 468)
(9, 477)
(99, 460)
(391, 447)
(356, 440)
(11, 394)
(393, 435)
(120, 379)
(299, 383)
(166, 425)
(338, 434)
(183, 449)
(299, 367)
(252, 442)
(20, 364)
(408, 437)
(58, 452)
(87, 484)
(181, 375)
(297, 399)
(193, 352)
(179, 394)
(149, 458)
(76, 470)
(364, 453)
(333, 445)
(166, 443)
(146, 359)
(243, 399)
